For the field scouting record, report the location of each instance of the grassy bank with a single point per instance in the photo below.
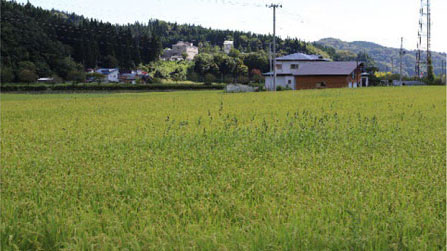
(107, 87)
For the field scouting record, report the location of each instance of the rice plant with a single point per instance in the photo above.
(306, 170)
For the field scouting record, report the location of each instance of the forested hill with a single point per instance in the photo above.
(53, 43)
(380, 54)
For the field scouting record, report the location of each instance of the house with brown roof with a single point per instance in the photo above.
(301, 71)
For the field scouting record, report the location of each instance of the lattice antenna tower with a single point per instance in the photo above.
(423, 54)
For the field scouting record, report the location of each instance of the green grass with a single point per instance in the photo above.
(306, 170)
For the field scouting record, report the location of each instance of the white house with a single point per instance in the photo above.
(227, 46)
(110, 75)
(286, 69)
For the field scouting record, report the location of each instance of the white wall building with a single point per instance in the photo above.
(286, 68)
(227, 46)
(110, 75)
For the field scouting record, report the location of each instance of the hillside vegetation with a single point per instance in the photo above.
(380, 54)
(42, 43)
(340, 169)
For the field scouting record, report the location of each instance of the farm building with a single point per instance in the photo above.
(301, 71)
(110, 75)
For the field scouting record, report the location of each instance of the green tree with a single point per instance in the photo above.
(184, 55)
(235, 53)
(257, 60)
(76, 76)
(27, 76)
(209, 78)
(430, 72)
(7, 75)
(225, 63)
(240, 69)
(110, 62)
(344, 55)
(204, 63)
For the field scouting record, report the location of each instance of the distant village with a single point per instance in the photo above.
(293, 72)
(179, 52)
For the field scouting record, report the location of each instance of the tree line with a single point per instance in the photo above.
(43, 43)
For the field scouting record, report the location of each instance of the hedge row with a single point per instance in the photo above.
(115, 87)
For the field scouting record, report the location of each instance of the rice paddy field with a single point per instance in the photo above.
(341, 169)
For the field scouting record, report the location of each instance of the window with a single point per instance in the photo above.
(321, 85)
(289, 82)
(279, 66)
(294, 66)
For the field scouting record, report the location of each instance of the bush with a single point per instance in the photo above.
(156, 81)
(280, 88)
(243, 80)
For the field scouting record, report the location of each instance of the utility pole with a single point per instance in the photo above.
(392, 65)
(274, 6)
(270, 59)
(401, 53)
(429, 62)
(424, 64)
(444, 70)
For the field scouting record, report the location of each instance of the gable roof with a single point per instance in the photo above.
(106, 71)
(327, 68)
(322, 69)
(301, 57)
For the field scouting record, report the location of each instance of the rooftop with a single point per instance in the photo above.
(327, 68)
(301, 57)
(323, 68)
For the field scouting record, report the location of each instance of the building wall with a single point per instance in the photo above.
(286, 67)
(283, 81)
(311, 82)
(113, 77)
(178, 50)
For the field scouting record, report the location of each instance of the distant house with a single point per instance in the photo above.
(45, 80)
(110, 75)
(179, 49)
(130, 78)
(227, 46)
(302, 71)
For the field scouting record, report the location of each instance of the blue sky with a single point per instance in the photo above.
(380, 21)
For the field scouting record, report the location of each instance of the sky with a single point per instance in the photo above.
(380, 21)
